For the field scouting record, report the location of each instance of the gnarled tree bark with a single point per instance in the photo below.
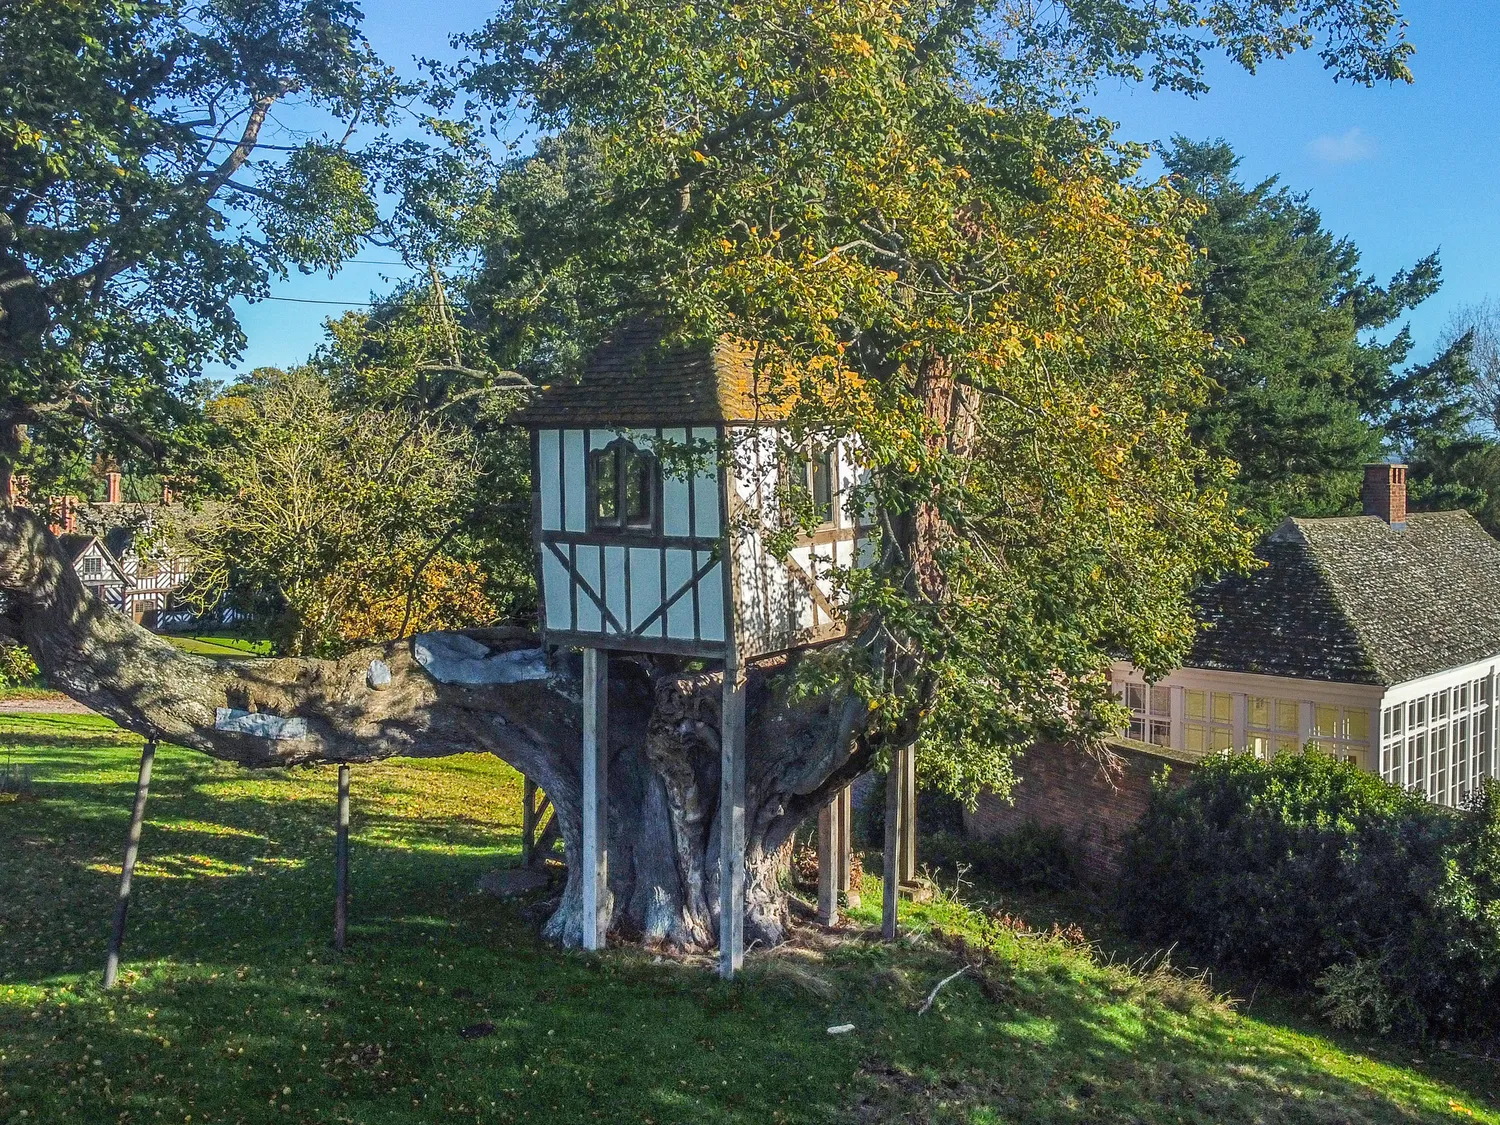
(664, 760)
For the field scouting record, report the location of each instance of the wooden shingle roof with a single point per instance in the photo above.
(637, 379)
(1353, 600)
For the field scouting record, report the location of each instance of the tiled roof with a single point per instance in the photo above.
(634, 379)
(1354, 600)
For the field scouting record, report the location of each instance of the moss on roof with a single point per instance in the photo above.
(642, 376)
(1354, 600)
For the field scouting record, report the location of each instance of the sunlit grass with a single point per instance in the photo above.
(234, 1008)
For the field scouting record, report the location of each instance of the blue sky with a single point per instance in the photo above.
(1402, 170)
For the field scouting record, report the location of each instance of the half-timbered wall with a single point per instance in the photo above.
(661, 589)
(784, 603)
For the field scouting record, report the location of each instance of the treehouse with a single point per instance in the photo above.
(667, 513)
(662, 479)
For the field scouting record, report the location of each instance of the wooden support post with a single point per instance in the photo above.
(829, 851)
(127, 869)
(595, 844)
(528, 821)
(341, 862)
(908, 758)
(732, 821)
(895, 810)
(846, 887)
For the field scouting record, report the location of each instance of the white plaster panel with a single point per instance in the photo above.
(587, 564)
(548, 479)
(556, 592)
(645, 588)
(706, 485)
(711, 599)
(674, 492)
(680, 613)
(614, 587)
(574, 516)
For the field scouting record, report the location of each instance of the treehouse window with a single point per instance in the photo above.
(93, 567)
(817, 481)
(624, 487)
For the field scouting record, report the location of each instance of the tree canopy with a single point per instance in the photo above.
(1306, 391)
(141, 192)
(934, 255)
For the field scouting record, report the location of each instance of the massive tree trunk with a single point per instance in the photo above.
(490, 690)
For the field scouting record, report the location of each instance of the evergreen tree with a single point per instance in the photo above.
(1307, 392)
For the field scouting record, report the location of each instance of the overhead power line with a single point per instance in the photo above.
(353, 304)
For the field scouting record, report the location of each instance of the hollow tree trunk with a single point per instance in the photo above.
(505, 696)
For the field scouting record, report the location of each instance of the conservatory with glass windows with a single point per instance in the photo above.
(1375, 638)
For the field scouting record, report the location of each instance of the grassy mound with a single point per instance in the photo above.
(234, 1008)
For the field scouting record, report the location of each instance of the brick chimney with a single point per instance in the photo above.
(112, 488)
(1384, 493)
(63, 511)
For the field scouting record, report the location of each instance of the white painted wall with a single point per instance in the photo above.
(620, 586)
(777, 610)
(1388, 748)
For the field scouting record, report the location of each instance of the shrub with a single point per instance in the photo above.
(1030, 858)
(17, 668)
(1315, 874)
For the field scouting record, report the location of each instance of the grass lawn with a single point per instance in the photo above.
(220, 646)
(234, 1008)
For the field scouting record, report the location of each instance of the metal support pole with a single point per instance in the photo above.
(528, 821)
(341, 863)
(895, 809)
(829, 850)
(908, 757)
(127, 869)
(732, 821)
(595, 843)
(845, 804)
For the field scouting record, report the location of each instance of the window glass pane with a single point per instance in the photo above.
(1287, 715)
(1259, 745)
(1461, 696)
(1325, 720)
(1223, 708)
(1161, 733)
(1161, 701)
(1357, 725)
(1135, 697)
(1220, 738)
(1195, 737)
(1385, 722)
(606, 486)
(1197, 705)
(1286, 745)
(1138, 729)
(640, 491)
(820, 483)
(1260, 712)
(1440, 705)
(1421, 719)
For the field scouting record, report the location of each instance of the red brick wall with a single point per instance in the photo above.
(1063, 787)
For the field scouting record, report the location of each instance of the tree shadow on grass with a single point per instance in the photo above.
(234, 1006)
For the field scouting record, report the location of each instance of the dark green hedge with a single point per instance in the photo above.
(1317, 875)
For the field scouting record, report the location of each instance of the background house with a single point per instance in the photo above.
(147, 577)
(97, 568)
(1375, 637)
